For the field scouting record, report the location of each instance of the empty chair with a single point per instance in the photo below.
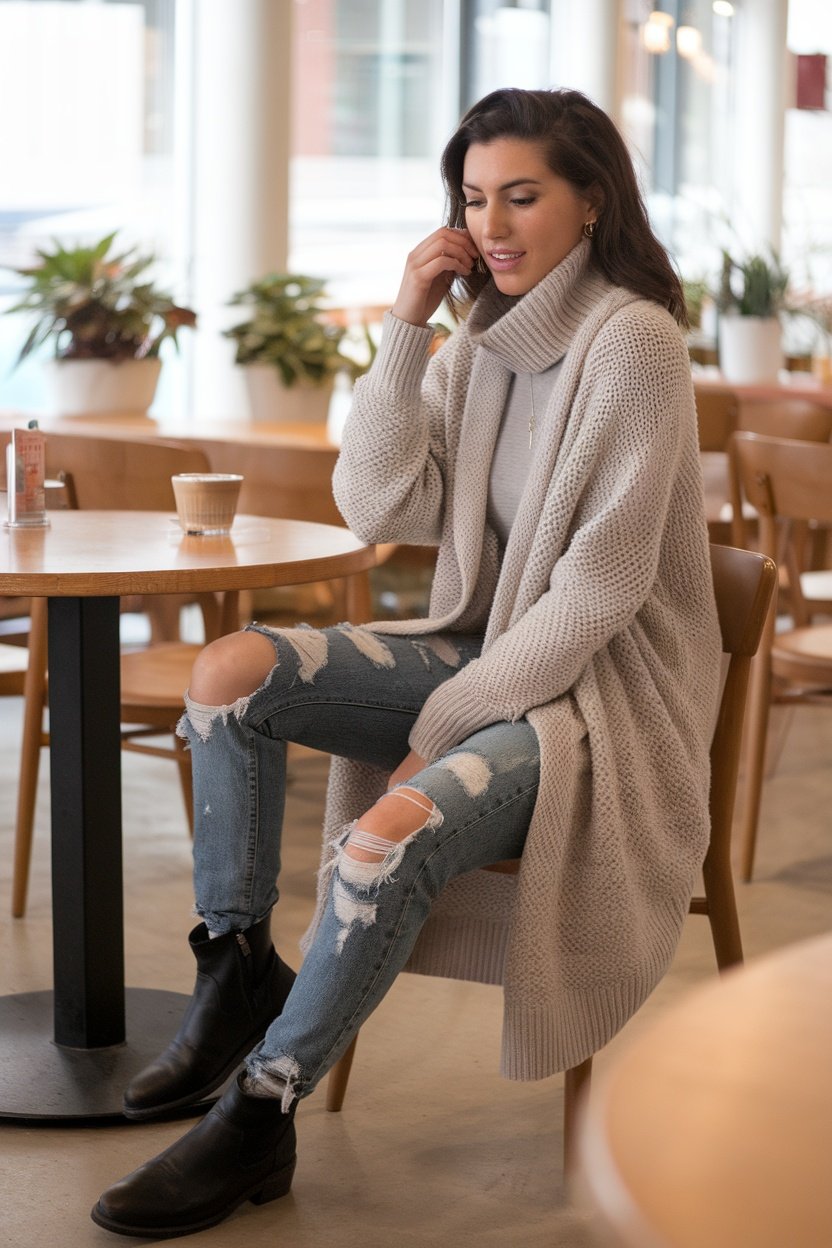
(716, 414)
(774, 418)
(789, 483)
(720, 411)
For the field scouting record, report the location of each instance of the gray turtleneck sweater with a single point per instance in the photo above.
(518, 440)
(599, 627)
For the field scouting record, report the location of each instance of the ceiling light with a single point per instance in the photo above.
(688, 42)
(656, 32)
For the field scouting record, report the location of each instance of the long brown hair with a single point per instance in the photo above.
(582, 145)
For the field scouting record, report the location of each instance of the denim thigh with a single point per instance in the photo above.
(351, 692)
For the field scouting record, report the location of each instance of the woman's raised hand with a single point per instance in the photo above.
(429, 271)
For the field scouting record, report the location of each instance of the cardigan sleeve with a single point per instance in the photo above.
(627, 458)
(389, 477)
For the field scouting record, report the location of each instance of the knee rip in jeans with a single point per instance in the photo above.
(202, 717)
(356, 883)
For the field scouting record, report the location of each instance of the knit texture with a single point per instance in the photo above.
(600, 627)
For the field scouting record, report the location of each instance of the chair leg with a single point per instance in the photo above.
(183, 760)
(336, 1084)
(32, 740)
(755, 752)
(576, 1086)
(359, 605)
(723, 917)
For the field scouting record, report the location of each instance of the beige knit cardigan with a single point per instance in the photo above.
(600, 628)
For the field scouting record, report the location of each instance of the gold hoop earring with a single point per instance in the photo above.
(589, 229)
(479, 265)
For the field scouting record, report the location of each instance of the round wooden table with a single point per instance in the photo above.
(82, 563)
(715, 1127)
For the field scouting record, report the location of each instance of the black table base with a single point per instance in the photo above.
(68, 1054)
(41, 1080)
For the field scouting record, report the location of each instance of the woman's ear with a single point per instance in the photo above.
(594, 200)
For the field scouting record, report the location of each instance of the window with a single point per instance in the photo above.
(90, 85)
(374, 99)
(678, 60)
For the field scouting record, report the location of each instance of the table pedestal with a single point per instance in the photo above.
(41, 1080)
(85, 770)
(69, 1054)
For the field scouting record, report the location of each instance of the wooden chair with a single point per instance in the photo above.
(789, 483)
(716, 414)
(720, 412)
(793, 418)
(103, 473)
(717, 409)
(744, 584)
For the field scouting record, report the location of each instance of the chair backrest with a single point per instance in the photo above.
(716, 413)
(103, 473)
(786, 418)
(744, 583)
(789, 483)
(287, 482)
(793, 420)
(785, 478)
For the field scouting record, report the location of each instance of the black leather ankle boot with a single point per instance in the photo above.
(241, 987)
(244, 1149)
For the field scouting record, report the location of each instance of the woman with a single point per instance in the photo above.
(556, 704)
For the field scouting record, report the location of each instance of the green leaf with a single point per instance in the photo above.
(105, 304)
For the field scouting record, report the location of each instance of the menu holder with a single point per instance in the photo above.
(25, 477)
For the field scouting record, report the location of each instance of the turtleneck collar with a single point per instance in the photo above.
(532, 332)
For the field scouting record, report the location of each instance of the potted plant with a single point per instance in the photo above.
(107, 321)
(817, 309)
(291, 348)
(751, 296)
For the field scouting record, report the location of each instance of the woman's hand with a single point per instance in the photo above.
(407, 768)
(429, 271)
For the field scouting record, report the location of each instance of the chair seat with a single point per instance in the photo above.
(156, 678)
(13, 663)
(804, 655)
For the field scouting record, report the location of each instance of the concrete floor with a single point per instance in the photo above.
(432, 1147)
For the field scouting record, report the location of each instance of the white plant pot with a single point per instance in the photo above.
(93, 388)
(750, 348)
(271, 402)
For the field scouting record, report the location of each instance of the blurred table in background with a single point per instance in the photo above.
(795, 385)
(714, 1128)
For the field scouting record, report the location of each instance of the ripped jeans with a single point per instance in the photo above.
(357, 694)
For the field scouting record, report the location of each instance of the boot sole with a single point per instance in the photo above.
(271, 1188)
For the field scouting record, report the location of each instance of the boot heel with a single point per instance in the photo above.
(277, 1184)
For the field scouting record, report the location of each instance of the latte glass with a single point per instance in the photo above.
(206, 502)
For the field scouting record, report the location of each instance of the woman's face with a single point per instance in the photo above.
(523, 218)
